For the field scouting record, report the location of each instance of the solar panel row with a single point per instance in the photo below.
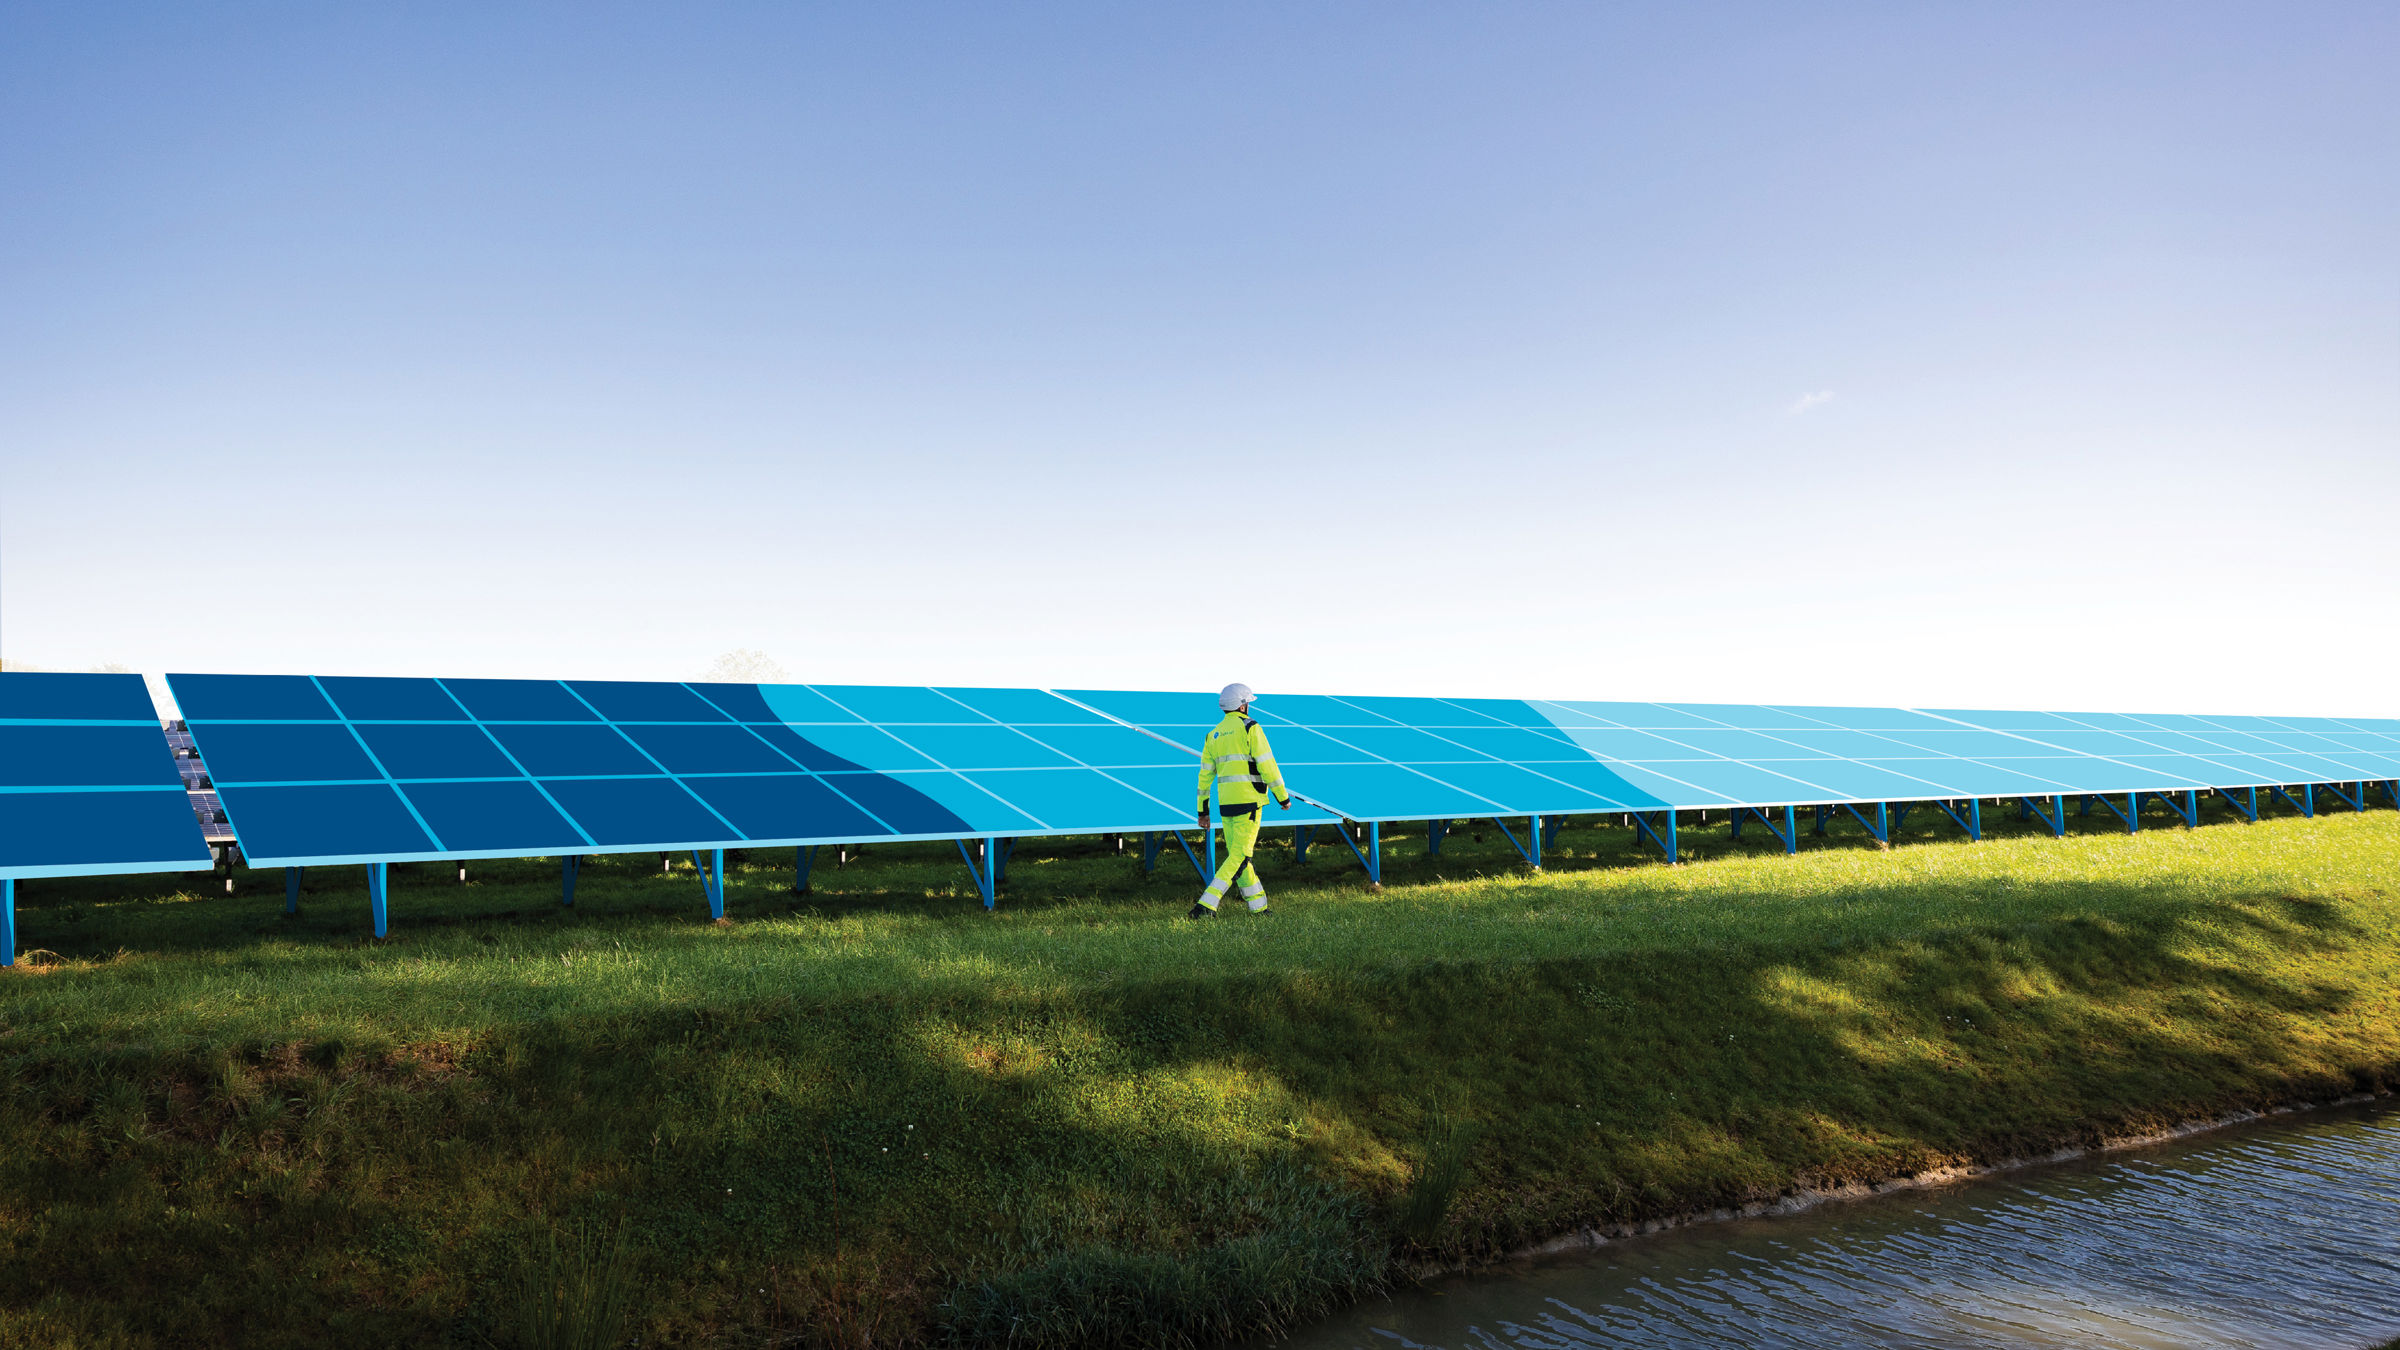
(87, 784)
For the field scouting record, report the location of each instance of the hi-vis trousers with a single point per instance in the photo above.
(1241, 839)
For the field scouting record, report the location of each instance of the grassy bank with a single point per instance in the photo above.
(875, 1113)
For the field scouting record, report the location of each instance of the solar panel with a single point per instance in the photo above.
(87, 783)
(332, 769)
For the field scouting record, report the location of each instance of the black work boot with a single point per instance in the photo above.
(1200, 912)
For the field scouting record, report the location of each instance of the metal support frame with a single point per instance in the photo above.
(1152, 847)
(1302, 837)
(1880, 826)
(1370, 857)
(2391, 789)
(2187, 810)
(1434, 830)
(803, 861)
(568, 865)
(1644, 829)
(2131, 814)
(2247, 804)
(2307, 803)
(1899, 818)
(2055, 817)
(1971, 822)
(378, 889)
(8, 921)
(712, 880)
(994, 869)
(2355, 801)
(1788, 836)
(1530, 849)
(291, 889)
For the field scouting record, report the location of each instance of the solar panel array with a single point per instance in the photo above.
(87, 784)
(333, 769)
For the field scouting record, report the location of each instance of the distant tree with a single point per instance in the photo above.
(746, 665)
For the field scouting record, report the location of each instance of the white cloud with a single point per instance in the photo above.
(1807, 401)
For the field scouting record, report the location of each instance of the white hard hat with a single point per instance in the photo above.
(1235, 695)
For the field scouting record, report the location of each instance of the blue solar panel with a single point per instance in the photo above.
(88, 784)
(393, 769)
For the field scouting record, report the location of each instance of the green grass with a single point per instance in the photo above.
(878, 1114)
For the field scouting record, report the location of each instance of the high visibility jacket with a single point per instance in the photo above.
(1236, 759)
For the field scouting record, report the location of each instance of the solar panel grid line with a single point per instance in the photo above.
(830, 786)
(644, 752)
(969, 781)
(369, 752)
(522, 772)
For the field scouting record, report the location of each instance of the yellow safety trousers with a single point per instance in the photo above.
(1241, 840)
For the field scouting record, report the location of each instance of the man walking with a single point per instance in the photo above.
(1235, 758)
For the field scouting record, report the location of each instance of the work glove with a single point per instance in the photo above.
(1204, 820)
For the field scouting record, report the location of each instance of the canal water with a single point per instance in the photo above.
(2277, 1233)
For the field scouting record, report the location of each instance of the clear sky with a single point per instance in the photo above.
(1999, 355)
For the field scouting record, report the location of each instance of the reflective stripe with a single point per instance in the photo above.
(1253, 889)
(1233, 759)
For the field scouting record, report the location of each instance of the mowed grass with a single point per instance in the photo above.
(878, 1114)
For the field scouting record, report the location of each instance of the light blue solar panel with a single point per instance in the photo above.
(1389, 792)
(1617, 743)
(898, 704)
(1519, 744)
(868, 747)
(1152, 709)
(1423, 712)
(1025, 707)
(1403, 745)
(1748, 716)
(801, 705)
(88, 785)
(1075, 794)
(1640, 716)
(1524, 791)
(1515, 712)
(2007, 720)
(1300, 746)
(1747, 745)
(1315, 710)
(1020, 813)
(1110, 746)
(987, 746)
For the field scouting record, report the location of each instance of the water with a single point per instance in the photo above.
(2282, 1233)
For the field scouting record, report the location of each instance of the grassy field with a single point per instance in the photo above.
(877, 1114)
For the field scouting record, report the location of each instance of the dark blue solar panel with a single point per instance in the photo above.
(504, 815)
(786, 806)
(358, 820)
(520, 701)
(421, 750)
(741, 702)
(561, 751)
(74, 698)
(61, 756)
(636, 812)
(723, 748)
(631, 701)
(291, 752)
(377, 698)
(905, 809)
(70, 833)
(265, 698)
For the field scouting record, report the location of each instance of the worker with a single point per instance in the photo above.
(1236, 761)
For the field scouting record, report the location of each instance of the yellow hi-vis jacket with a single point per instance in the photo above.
(1236, 759)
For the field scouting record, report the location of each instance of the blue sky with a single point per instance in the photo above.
(1938, 355)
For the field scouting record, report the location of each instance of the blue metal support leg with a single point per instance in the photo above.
(1302, 837)
(2355, 801)
(804, 861)
(1821, 810)
(2131, 814)
(1788, 836)
(291, 889)
(8, 921)
(986, 874)
(2187, 810)
(2247, 803)
(1880, 826)
(712, 880)
(378, 885)
(1434, 830)
(1971, 821)
(567, 867)
(2306, 804)
(1532, 855)
(1370, 857)
(1661, 834)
